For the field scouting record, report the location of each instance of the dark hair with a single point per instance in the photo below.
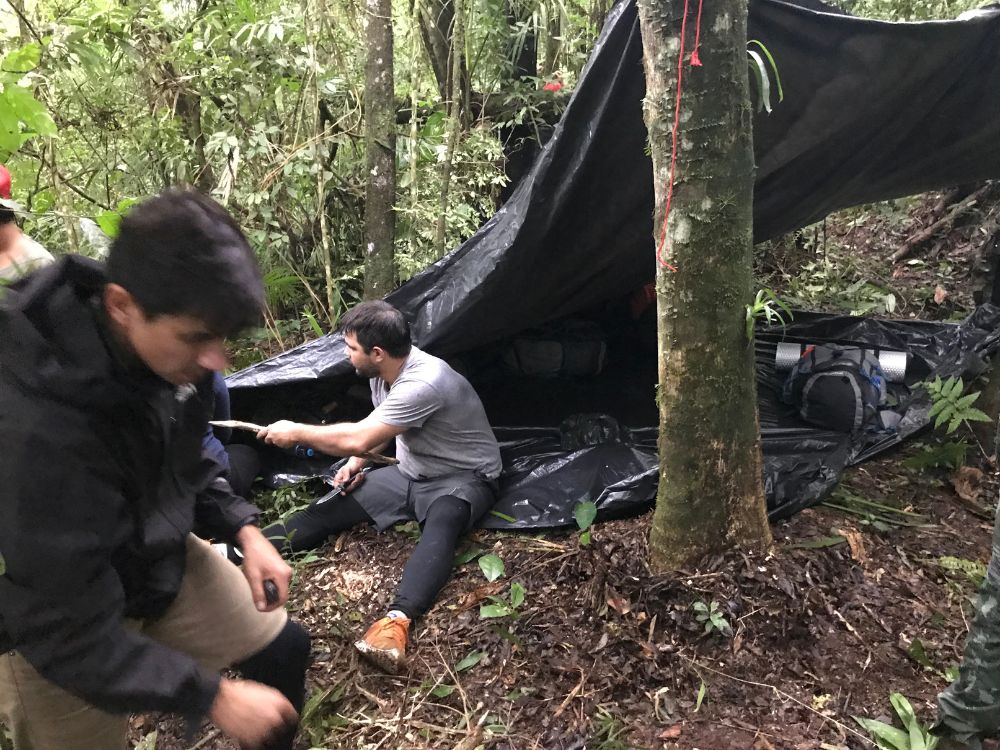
(378, 323)
(6, 216)
(181, 253)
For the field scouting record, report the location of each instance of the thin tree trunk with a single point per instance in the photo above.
(414, 126)
(455, 126)
(436, 28)
(380, 142)
(553, 40)
(710, 493)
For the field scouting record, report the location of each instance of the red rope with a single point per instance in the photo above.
(677, 116)
(695, 60)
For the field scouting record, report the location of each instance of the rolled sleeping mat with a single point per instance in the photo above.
(893, 363)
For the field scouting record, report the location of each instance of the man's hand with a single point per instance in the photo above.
(262, 562)
(251, 713)
(284, 434)
(350, 474)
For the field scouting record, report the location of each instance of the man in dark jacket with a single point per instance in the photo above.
(108, 602)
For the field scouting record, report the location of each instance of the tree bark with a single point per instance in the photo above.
(380, 140)
(454, 128)
(710, 493)
(436, 29)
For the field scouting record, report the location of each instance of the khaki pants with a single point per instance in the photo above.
(213, 619)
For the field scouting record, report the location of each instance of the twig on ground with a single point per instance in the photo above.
(206, 739)
(572, 693)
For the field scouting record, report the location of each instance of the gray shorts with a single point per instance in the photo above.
(389, 497)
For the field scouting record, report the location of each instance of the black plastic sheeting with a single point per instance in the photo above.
(543, 482)
(801, 463)
(871, 111)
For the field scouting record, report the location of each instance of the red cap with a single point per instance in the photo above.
(4, 182)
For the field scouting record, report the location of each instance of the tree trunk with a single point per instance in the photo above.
(710, 495)
(380, 140)
(436, 29)
(522, 48)
(454, 128)
(553, 40)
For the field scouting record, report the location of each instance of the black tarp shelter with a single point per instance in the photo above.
(872, 110)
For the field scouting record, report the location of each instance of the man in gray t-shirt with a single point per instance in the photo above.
(445, 479)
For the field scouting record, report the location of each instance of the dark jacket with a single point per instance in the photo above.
(102, 477)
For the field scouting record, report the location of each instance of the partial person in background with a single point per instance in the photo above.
(242, 462)
(969, 708)
(19, 254)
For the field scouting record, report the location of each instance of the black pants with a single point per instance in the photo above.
(282, 665)
(427, 570)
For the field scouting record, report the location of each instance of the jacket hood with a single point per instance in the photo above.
(51, 339)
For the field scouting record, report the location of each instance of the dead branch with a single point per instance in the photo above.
(946, 222)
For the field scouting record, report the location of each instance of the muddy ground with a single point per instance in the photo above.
(851, 604)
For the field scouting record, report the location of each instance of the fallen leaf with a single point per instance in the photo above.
(619, 604)
(940, 295)
(857, 544)
(472, 598)
(671, 732)
(761, 743)
(967, 481)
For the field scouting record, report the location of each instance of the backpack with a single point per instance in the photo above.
(837, 387)
(573, 348)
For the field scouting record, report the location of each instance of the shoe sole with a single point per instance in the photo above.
(387, 660)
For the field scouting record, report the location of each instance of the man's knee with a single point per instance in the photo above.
(448, 511)
(282, 663)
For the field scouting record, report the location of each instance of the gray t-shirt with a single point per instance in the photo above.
(447, 430)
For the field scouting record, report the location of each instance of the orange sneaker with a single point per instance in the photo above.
(385, 643)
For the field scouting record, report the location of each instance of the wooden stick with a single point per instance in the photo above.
(944, 223)
(235, 424)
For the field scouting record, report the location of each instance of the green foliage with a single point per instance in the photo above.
(469, 661)
(109, 221)
(946, 455)
(476, 178)
(319, 716)
(261, 104)
(492, 567)
(974, 571)
(700, 698)
(950, 405)
(880, 516)
(22, 116)
(147, 743)
(502, 607)
(839, 283)
(918, 653)
(711, 616)
(585, 512)
(762, 74)
(909, 10)
(608, 732)
(468, 555)
(913, 736)
(766, 305)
